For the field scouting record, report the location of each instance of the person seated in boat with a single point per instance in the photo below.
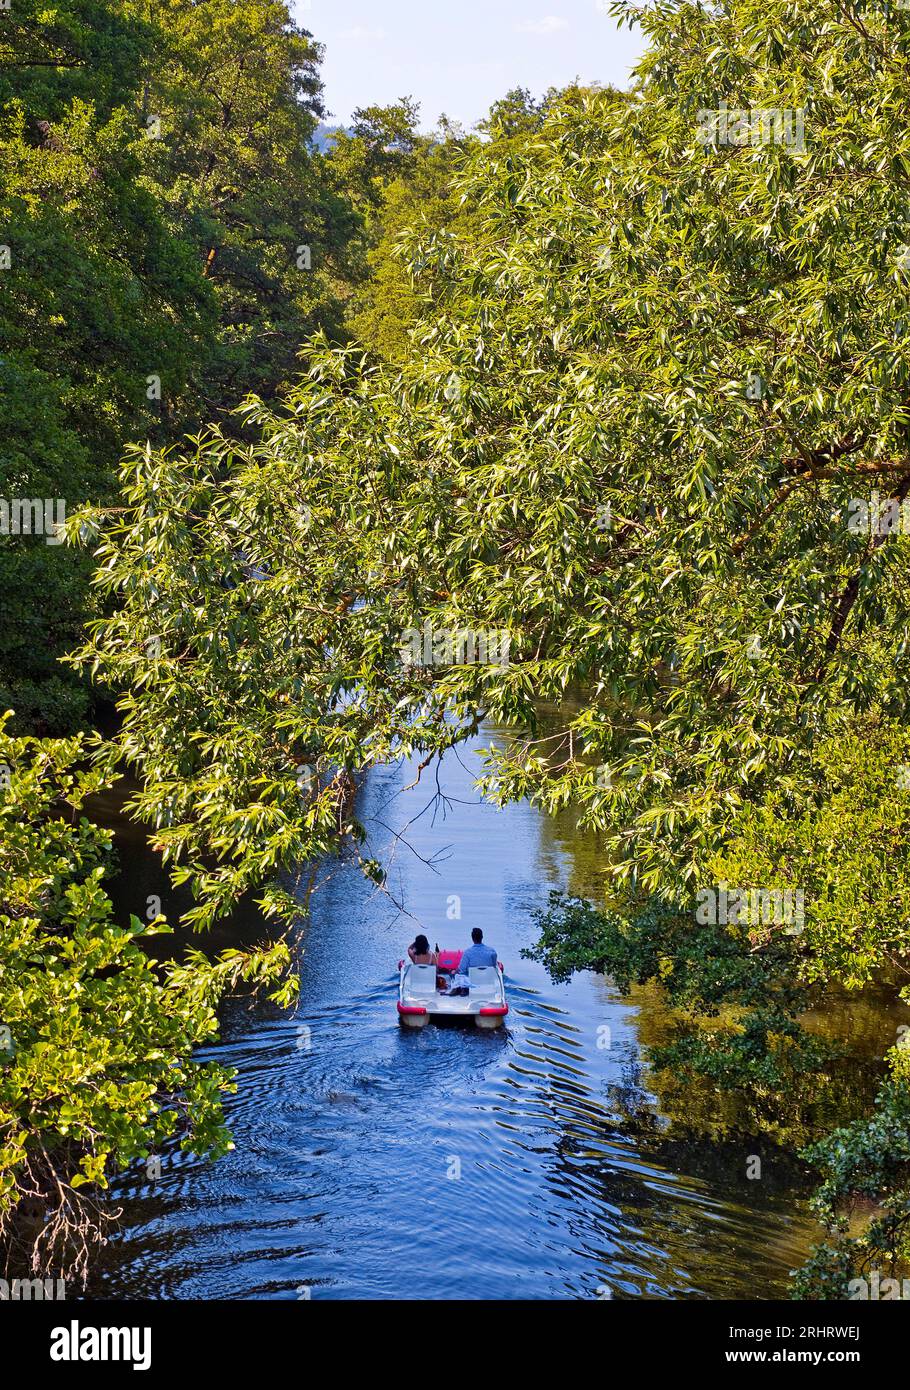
(477, 954)
(420, 952)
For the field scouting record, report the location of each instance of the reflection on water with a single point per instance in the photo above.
(445, 1163)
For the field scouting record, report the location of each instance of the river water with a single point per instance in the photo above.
(374, 1162)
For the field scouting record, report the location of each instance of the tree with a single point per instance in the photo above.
(96, 1036)
(167, 238)
(423, 199)
(90, 51)
(257, 645)
(230, 104)
(104, 322)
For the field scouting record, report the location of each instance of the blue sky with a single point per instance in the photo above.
(459, 57)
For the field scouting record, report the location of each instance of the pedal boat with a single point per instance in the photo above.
(421, 999)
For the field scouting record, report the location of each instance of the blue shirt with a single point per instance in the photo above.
(476, 955)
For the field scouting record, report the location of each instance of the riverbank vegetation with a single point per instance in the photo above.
(612, 381)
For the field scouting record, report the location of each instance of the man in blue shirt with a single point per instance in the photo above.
(475, 955)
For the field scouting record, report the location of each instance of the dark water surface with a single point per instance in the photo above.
(445, 1163)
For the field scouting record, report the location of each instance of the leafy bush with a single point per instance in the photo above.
(95, 1036)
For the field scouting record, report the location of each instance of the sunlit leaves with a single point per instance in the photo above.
(101, 1070)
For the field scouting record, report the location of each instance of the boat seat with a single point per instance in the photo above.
(421, 981)
(484, 981)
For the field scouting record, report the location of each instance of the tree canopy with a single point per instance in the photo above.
(168, 237)
(96, 1066)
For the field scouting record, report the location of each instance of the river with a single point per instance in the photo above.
(374, 1162)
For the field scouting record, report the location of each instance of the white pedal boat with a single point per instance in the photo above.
(420, 999)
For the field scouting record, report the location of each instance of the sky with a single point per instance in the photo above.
(459, 56)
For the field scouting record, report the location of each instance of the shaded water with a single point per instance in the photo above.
(376, 1162)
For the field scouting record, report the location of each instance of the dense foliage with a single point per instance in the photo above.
(95, 1037)
(170, 235)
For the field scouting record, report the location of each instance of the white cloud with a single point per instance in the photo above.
(548, 25)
